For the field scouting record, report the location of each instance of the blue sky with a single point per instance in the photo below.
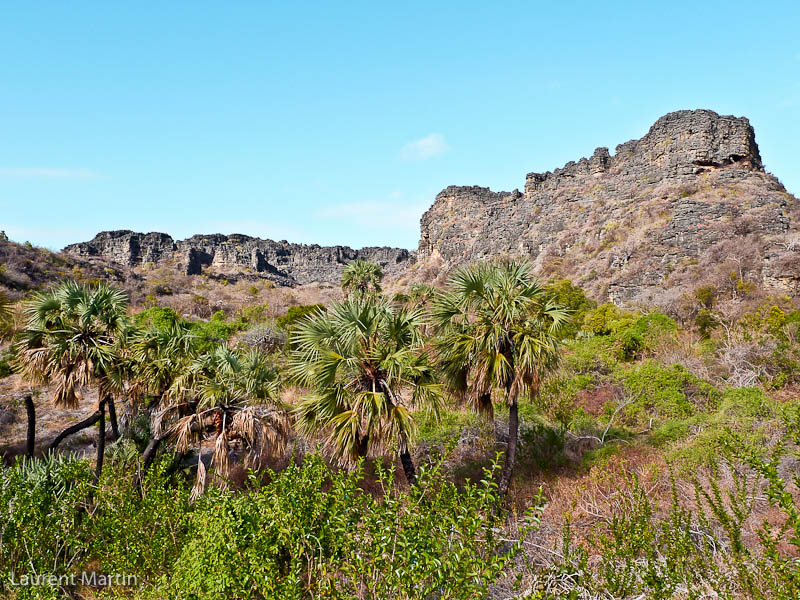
(337, 123)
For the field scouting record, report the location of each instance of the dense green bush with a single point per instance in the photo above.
(296, 313)
(41, 512)
(156, 317)
(664, 392)
(570, 296)
(607, 319)
(310, 532)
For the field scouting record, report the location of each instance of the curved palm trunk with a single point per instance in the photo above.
(150, 452)
(101, 441)
(112, 416)
(31, 440)
(511, 450)
(88, 422)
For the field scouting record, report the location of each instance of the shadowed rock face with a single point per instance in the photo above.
(636, 226)
(285, 263)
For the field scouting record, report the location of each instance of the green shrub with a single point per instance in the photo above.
(156, 317)
(606, 319)
(5, 364)
(706, 295)
(567, 294)
(558, 397)
(41, 506)
(664, 392)
(313, 533)
(256, 313)
(643, 335)
(296, 313)
(590, 355)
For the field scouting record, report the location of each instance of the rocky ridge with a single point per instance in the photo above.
(686, 204)
(284, 263)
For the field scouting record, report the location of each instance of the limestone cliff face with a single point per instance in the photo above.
(688, 203)
(285, 263)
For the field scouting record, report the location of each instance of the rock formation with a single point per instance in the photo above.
(688, 203)
(284, 263)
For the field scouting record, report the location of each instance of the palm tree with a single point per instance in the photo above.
(154, 359)
(362, 277)
(235, 399)
(498, 338)
(69, 342)
(364, 366)
(6, 314)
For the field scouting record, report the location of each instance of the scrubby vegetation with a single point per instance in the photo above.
(499, 437)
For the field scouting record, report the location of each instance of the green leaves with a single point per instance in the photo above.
(361, 278)
(498, 330)
(69, 339)
(363, 361)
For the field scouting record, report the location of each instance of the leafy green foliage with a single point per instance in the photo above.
(566, 294)
(295, 314)
(362, 277)
(309, 533)
(664, 392)
(69, 339)
(606, 319)
(156, 317)
(358, 361)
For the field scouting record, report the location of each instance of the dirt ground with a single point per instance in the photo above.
(49, 420)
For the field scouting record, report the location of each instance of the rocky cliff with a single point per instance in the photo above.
(687, 204)
(282, 262)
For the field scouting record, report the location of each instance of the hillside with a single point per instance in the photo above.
(281, 431)
(689, 204)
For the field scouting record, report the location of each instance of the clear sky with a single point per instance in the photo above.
(337, 123)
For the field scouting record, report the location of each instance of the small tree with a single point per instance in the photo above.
(234, 397)
(498, 337)
(364, 365)
(362, 277)
(69, 342)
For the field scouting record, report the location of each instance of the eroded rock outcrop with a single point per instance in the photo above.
(282, 262)
(688, 202)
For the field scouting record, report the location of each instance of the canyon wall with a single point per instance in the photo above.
(282, 262)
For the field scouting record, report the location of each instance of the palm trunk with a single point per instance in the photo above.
(101, 441)
(88, 422)
(511, 450)
(112, 416)
(150, 453)
(408, 467)
(30, 408)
